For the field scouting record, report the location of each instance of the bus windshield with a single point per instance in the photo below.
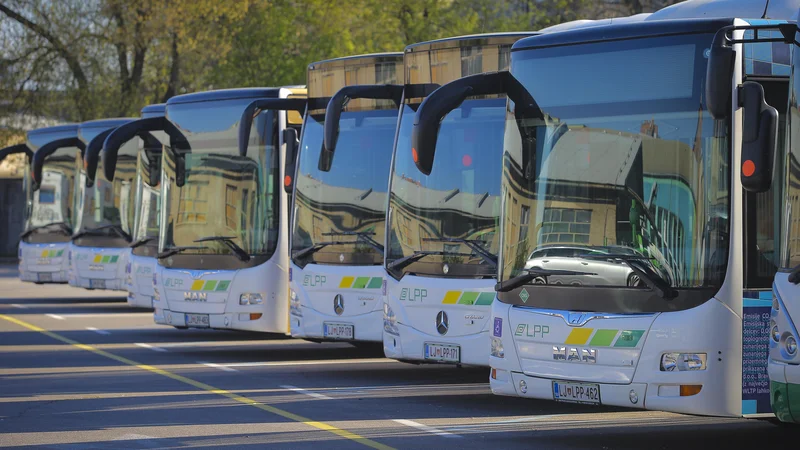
(346, 204)
(629, 169)
(228, 204)
(107, 211)
(48, 215)
(148, 205)
(449, 218)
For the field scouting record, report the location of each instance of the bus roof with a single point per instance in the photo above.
(154, 110)
(623, 31)
(470, 40)
(335, 62)
(40, 136)
(225, 94)
(102, 124)
(745, 9)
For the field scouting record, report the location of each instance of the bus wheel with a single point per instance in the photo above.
(182, 328)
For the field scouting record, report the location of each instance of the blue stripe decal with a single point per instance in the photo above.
(749, 407)
(757, 302)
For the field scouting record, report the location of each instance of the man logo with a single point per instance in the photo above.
(575, 354)
(442, 323)
(195, 296)
(338, 304)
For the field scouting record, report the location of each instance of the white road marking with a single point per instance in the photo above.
(54, 316)
(312, 363)
(19, 306)
(308, 393)
(150, 347)
(217, 366)
(110, 315)
(103, 332)
(425, 428)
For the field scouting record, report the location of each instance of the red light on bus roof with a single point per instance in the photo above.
(466, 160)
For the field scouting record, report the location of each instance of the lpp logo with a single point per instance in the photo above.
(413, 295)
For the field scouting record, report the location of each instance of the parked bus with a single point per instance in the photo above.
(339, 203)
(637, 257)
(151, 137)
(223, 243)
(49, 186)
(442, 241)
(103, 212)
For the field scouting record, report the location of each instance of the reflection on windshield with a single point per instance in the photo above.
(631, 172)
(459, 200)
(51, 203)
(224, 194)
(346, 204)
(148, 206)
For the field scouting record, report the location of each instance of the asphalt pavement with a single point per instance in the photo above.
(81, 369)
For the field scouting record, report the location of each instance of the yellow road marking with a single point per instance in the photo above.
(205, 387)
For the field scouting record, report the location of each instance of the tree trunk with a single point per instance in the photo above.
(174, 71)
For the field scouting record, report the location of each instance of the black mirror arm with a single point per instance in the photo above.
(249, 113)
(48, 149)
(14, 149)
(124, 133)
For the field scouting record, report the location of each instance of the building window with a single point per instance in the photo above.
(230, 206)
(503, 57)
(471, 60)
(565, 225)
(524, 220)
(385, 73)
(193, 204)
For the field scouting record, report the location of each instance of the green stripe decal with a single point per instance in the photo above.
(210, 285)
(486, 298)
(361, 283)
(629, 338)
(375, 283)
(603, 338)
(60, 252)
(468, 298)
(223, 285)
(105, 259)
(114, 259)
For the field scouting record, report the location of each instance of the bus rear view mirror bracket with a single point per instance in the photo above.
(759, 138)
(275, 104)
(450, 96)
(333, 113)
(46, 150)
(292, 142)
(128, 131)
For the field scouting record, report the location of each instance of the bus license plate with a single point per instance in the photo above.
(443, 352)
(197, 320)
(97, 284)
(338, 331)
(46, 276)
(576, 392)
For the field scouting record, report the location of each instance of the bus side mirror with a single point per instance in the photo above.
(333, 113)
(290, 159)
(759, 138)
(719, 77)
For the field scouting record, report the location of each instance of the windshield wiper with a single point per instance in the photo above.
(143, 241)
(360, 235)
(530, 274)
(228, 241)
(175, 250)
(302, 253)
(63, 225)
(399, 264)
(115, 228)
(472, 244)
(794, 275)
(652, 279)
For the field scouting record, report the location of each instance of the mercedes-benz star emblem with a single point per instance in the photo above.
(442, 323)
(338, 304)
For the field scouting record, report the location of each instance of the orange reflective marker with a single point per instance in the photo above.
(414, 155)
(287, 180)
(748, 168)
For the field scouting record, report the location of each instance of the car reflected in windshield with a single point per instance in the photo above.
(611, 271)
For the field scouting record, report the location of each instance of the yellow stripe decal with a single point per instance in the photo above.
(579, 336)
(44, 254)
(346, 282)
(451, 298)
(205, 387)
(98, 258)
(197, 285)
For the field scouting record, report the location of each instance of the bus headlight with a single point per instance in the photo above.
(774, 332)
(294, 304)
(390, 321)
(497, 348)
(682, 362)
(791, 345)
(250, 299)
(775, 304)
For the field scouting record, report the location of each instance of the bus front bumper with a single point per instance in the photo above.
(366, 327)
(784, 391)
(410, 345)
(225, 321)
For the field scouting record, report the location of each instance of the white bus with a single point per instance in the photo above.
(635, 269)
(49, 189)
(441, 240)
(150, 133)
(223, 243)
(339, 203)
(103, 212)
